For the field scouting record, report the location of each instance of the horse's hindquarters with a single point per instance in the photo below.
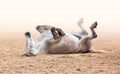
(85, 45)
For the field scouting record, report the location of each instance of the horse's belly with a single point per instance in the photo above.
(66, 45)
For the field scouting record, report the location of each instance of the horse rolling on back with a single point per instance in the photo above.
(54, 40)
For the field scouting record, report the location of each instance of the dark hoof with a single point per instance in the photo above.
(54, 33)
(28, 34)
(60, 32)
(28, 54)
(53, 29)
(94, 25)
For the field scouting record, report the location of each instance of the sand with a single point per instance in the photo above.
(107, 62)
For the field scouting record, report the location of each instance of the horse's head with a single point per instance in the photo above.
(43, 28)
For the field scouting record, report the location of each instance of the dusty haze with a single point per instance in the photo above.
(19, 16)
(24, 15)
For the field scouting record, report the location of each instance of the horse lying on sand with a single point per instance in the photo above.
(54, 40)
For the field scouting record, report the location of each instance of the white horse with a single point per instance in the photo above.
(54, 41)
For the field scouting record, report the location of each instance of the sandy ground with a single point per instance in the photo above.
(11, 61)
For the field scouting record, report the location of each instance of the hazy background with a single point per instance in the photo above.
(24, 15)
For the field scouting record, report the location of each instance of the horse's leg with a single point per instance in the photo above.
(92, 27)
(86, 42)
(57, 33)
(60, 32)
(29, 44)
(54, 33)
(83, 31)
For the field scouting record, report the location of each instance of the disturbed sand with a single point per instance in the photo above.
(108, 62)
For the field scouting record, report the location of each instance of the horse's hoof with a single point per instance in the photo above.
(94, 25)
(28, 34)
(28, 54)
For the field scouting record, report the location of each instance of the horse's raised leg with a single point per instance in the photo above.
(92, 27)
(29, 44)
(60, 32)
(54, 33)
(83, 31)
(57, 33)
